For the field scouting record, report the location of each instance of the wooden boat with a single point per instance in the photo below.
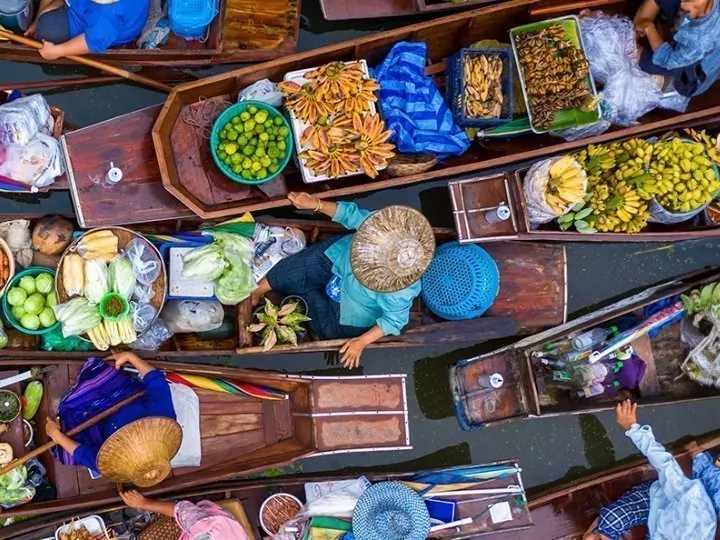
(244, 31)
(532, 295)
(472, 197)
(239, 434)
(185, 164)
(342, 10)
(528, 394)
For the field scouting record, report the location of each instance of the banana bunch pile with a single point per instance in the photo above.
(682, 177)
(712, 144)
(483, 86)
(567, 185)
(108, 334)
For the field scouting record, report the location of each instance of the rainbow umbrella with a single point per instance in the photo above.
(228, 387)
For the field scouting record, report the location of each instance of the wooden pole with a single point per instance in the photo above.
(88, 423)
(62, 83)
(92, 63)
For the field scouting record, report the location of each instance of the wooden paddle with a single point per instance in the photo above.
(92, 63)
(88, 423)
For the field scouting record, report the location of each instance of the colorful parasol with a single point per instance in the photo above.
(228, 387)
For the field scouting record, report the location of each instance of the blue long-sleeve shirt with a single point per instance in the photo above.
(695, 40)
(157, 401)
(107, 25)
(359, 306)
(680, 508)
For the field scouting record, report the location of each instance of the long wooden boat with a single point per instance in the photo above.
(528, 394)
(240, 434)
(533, 295)
(560, 512)
(343, 10)
(244, 31)
(250, 494)
(183, 154)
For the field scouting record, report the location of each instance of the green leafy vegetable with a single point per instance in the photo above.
(77, 316)
(235, 285)
(121, 277)
(204, 263)
(96, 280)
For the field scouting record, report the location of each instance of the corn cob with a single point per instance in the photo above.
(98, 245)
(127, 331)
(73, 274)
(113, 333)
(98, 339)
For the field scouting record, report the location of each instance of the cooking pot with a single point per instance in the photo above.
(16, 15)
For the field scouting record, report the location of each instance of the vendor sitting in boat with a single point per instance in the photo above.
(148, 424)
(692, 57)
(357, 286)
(79, 27)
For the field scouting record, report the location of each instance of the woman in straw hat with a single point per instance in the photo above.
(205, 520)
(358, 286)
(136, 443)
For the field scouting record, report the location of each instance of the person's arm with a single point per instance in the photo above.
(134, 499)
(349, 215)
(133, 359)
(353, 348)
(648, 11)
(52, 428)
(675, 55)
(77, 46)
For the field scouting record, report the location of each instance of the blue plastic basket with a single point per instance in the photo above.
(455, 82)
(190, 19)
(461, 282)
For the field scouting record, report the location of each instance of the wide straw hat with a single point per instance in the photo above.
(392, 249)
(390, 510)
(140, 453)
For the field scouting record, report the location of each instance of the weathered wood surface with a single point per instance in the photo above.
(244, 31)
(14, 436)
(342, 10)
(471, 200)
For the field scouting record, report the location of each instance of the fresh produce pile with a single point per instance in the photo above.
(483, 97)
(566, 186)
(555, 72)
(340, 134)
(32, 301)
(253, 143)
(4, 268)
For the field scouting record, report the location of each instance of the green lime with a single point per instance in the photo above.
(261, 117)
(235, 120)
(222, 155)
(256, 166)
(228, 126)
(249, 125)
(283, 131)
(244, 116)
(282, 154)
(231, 148)
(236, 158)
(248, 151)
(247, 163)
(260, 152)
(259, 128)
(281, 145)
(264, 137)
(237, 169)
(252, 109)
(273, 152)
(273, 168)
(262, 173)
(247, 174)
(265, 161)
(242, 140)
(223, 134)
(232, 135)
(278, 121)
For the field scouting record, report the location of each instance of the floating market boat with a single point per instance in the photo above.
(342, 10)
(244, 31)
(245, 500)
(529, 391)
(532, 295)
(240, 433)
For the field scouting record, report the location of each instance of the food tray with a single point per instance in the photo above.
(178, 287)
(94, 525)
(124, 235)
(456, 87)
(565, 118)
(298, 126)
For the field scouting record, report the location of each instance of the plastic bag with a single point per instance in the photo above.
(97, 282)
(187, 409)
(583, 132)
(142, 315)
(145, 261)
(36, 164)
(14, 489)
(273, 244)
(157, 28)
(143, 294)
(153, 339)
(265, 91)
(185, 316)
(54, 341)
(534, 184)
(23, 119)
(17, 235)
(77, 316)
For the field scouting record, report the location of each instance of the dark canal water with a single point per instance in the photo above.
(549, 449)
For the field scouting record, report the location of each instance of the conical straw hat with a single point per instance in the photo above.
(392, 249)
(140, 453)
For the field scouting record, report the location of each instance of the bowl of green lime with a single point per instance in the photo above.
(29, 300)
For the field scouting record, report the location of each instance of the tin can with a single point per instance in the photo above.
(501, 213)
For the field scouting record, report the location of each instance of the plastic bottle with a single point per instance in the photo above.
(564, 357)
(593, 337)
(595, 389)
(587, 374)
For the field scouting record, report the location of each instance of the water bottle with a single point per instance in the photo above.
(593, 337)
(587, 374)
(562, 358)
(590, 391)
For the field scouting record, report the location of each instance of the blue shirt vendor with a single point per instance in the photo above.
(358, 286)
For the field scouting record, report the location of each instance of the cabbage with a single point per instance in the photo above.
(34, 304)
(44, 283)
(235, 285)
(121, 277)
(238, 250)
(96, 280)
(204, 263)
(16, 296)
(77, 316)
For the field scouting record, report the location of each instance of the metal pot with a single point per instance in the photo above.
(16, 15)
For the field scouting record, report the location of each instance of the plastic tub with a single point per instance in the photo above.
(31, 271)
(288, 499)
(225, 117)
(105, 300)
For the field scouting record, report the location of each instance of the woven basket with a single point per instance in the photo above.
(163, 528)
(409, 164)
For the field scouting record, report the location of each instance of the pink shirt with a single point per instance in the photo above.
(207, 521)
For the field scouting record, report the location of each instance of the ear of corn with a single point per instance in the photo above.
(98, 245)
(73, 274)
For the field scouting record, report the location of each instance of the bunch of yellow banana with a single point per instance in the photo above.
(712, 144)
(567, 184)
(630, 204)
(483, 85)
(102, 244)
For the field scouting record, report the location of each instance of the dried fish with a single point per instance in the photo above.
(482, 96)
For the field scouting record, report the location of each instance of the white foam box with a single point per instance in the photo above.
(180, 287)
(94, 525)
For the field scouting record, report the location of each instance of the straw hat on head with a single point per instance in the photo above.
(140, 452)
(392, 249)
(390, 510)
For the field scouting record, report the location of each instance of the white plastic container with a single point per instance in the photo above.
(298, 126)
(178, 286)
(94, 525)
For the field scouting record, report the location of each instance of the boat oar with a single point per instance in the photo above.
(88, 423)
(91, 63)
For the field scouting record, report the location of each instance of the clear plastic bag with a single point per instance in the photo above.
(142, 315)
(583, 132)
(21, 120)
(186, 316)
(143, 294)
(36, 164)
(265, 91)
(534, 184)
(17, 235)
(157, 28)
(146, 262)
(153, 339)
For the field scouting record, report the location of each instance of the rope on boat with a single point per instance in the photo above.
(203, 116)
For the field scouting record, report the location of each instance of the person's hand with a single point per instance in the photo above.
(625, 414)
(303, 201)
(4, 428)
(351, 352)
(642, 26)
(50, 51)
(133, 499)
(122, 358)
(52, 428)
(30, 32)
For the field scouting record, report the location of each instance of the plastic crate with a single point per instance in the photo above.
(190, 19)
(455, 81)
(176, 289)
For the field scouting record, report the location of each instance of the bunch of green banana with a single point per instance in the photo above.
(701, 299)
(581, 217)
